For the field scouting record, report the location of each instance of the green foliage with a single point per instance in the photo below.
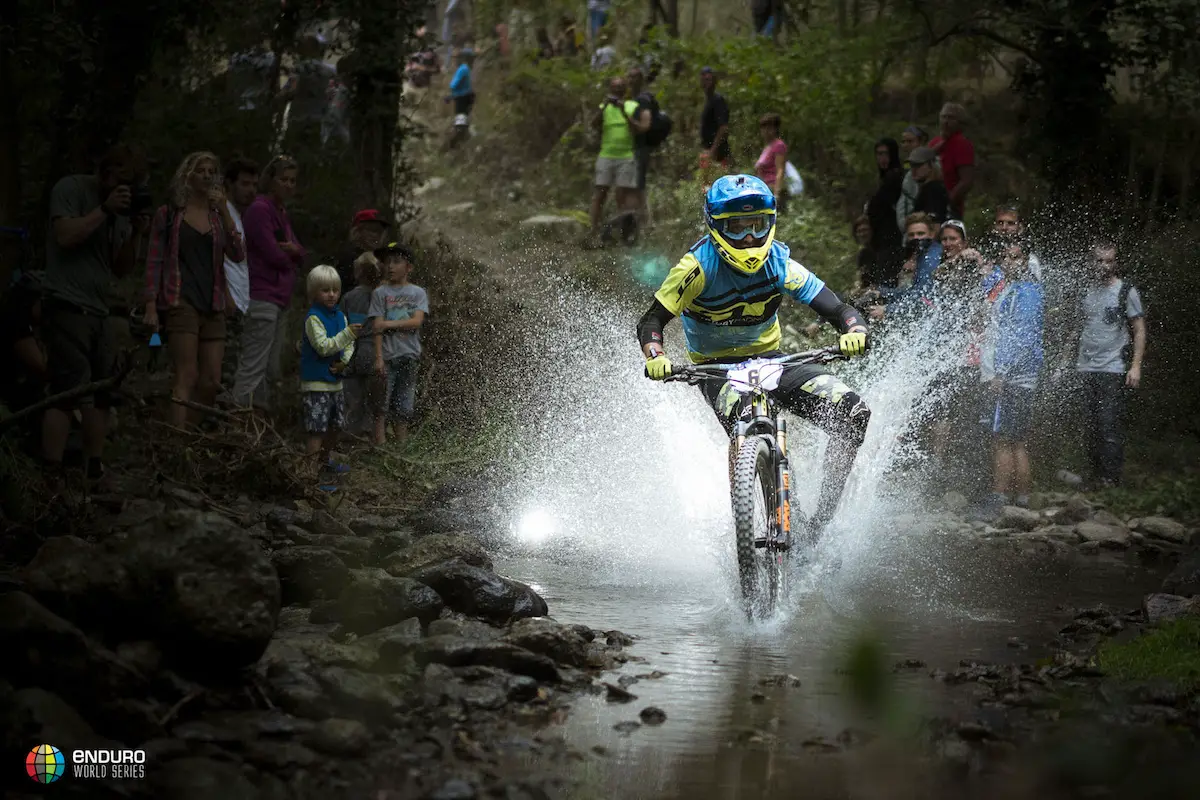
(1172, 494)
(1169, 652)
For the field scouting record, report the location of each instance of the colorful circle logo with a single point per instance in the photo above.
(45, 763)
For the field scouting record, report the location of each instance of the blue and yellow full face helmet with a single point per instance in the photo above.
(740, 213)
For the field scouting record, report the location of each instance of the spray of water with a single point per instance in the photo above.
(627, 478)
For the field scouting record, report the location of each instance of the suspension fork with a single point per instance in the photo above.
(783, 492)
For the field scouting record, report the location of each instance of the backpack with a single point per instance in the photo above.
(660, 122)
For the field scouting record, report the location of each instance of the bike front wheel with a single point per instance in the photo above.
(762, 563)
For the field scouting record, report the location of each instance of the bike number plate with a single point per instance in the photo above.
(762, 373)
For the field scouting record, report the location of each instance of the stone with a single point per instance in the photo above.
(278, 756)
(1076, 509)
(291, 685)
(394, 645)
(322, 523)
(453, 651)
(454, 789)
(542, 635)
(1106, 535)
(339, 737)
(361, 695)
(1062, 533)
(309, 573)
(215, 595)
(1103, 517)
(465, 627)
(618, 694)
(551, 221)
(41, 716)
(200, 779)
(1164, 528)
(352, 550)
(321, 651)
(460, 208)
(384, 544)
(79, 581)
(138, 512)
(375, 600)
(435, 549)
(1017, 518)
(629, 726)
(374, 525)
(954, 501)
(43, 649)
(1184, 579)
(1167, 607)
(481, 593)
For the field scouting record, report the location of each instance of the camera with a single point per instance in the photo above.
(140, 200)
(914, 246)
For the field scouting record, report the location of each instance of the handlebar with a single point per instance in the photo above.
(703, 372)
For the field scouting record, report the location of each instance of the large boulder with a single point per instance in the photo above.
(1167, 607)
(80, 581)
(1184, 579)
(1077, 509)
(208, 595)
(1017, 518)
(1164, 528)
(310, 573)
(562, 643)
(435, 549)
(375, 599)
(453, 651)
(1105, 535)
(480, 593)
(352, 550)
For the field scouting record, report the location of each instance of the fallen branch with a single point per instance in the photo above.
(187, 698)
(111, 382)
(216, 412)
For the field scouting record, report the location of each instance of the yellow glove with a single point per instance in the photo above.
(853, 344)
(658, 367)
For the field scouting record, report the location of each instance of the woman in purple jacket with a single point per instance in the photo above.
(273, 256)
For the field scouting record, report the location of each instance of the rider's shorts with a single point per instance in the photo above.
(807, 390)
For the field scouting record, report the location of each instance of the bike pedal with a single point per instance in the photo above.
(760, 542)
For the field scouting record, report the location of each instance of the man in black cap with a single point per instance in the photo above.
(714, 128)
(932, 197)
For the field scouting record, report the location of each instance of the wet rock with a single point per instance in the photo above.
(279, 756)
(375, 599)
(339, 737)
(1060, 533)
(1077, 509)
(41, 716)
(79, 581)
(627, 727)
(291, 685)
(437, 548)
(454, 789)
(1105, 535)
(384, 544)
(184, 498)
(618, 694)
(1184, 579)
(1163, 528)
(586, 633)
(374, 698)
(1167, 607)
(43, 649)
(954, 501)
(465, 628)
(618, 639)
(560, 642)
(393, 644)
(481, 593)
(625, 681)
(321, 651)
(374, 525)
(1103, 517)
(322, 523)
(310, 573)
(783, 680)
(143, 656)
(352, 550)
(201, 779)
(453, 651)
(138, 512)
(1017, 518)
(909, 663)
(652, 715)
(216, 596)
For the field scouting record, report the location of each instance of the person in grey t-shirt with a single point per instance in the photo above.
(1105, 364)
(397, 311)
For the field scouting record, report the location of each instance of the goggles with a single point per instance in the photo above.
(748, 226)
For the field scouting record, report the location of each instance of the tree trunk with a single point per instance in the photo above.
(843, 17)
(1156, 184)
(1185, 177)
(1132, 189)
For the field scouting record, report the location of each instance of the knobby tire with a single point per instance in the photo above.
(761, 571)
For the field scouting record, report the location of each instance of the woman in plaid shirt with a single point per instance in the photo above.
(190, 237)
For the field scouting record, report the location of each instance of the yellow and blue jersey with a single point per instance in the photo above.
(727, 313)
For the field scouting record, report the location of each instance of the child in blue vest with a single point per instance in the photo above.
(327, 348)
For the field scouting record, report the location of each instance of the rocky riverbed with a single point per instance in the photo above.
(276, 652)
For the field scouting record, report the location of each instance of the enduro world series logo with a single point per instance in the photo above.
(47, 764)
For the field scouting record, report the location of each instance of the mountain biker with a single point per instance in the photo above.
(727, 288)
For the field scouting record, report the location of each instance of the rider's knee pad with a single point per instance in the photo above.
(855, 415)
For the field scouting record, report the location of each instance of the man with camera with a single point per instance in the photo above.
(615, 166)
(95, 222)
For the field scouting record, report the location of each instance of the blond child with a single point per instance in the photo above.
(326, 349)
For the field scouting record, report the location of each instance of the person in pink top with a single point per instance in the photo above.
(274, 255)
(957, 156)
(771, 166)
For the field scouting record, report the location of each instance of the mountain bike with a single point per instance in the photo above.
(759, 472)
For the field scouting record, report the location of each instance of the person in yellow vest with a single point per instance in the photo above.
(615, 166)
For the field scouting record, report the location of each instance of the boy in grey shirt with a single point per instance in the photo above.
(1106, 367)
(397, 311)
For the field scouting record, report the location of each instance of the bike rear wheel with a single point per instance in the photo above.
(762, 570)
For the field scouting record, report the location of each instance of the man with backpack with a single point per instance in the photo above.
(1112, 319)
(651, 128)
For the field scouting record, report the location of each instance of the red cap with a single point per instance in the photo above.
(369, 215)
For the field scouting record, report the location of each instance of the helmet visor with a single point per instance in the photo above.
(745, 226)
